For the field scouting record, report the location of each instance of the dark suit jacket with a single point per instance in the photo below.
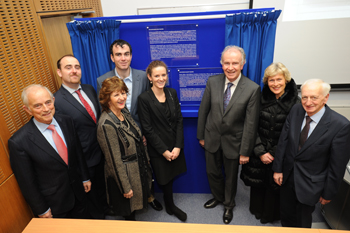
(320, 164)
(85, 127)
(140, 84)
(235, 130)
(46, 181)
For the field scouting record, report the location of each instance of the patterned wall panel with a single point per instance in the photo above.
(62, 5)
(23, 60)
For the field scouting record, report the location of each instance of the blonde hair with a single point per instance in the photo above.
(274, 69)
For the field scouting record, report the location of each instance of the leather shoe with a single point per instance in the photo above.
(228, 215)
(211, 203)
(156, 205)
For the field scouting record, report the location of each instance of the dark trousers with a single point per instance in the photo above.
(97, 198)
(265, 203)
(222, 186)
(79, 211)
(294, 213)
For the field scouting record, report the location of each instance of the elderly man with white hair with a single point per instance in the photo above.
(311, 155)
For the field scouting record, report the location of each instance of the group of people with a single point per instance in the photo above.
(83, 156)
(105, 146)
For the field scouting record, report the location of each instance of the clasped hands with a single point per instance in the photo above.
(172, 155)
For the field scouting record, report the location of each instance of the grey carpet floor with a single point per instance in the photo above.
(192, 204)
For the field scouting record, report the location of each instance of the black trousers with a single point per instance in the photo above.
(222, 186)
(265, 203)
(79, 211)
(293, 212)
(97, 198)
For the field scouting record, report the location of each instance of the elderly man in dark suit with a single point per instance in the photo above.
(80, 102)
(311, 155)
(47, 159)
(227, 126)
(135, 80)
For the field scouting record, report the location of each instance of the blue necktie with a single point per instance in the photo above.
(227, 95)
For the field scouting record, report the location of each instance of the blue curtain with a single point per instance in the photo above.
(90, 42)
(255, 32)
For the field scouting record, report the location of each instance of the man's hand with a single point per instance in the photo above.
(243, 159)
(278, 178)
(46, 215)
(324, 201)
(87, 186)
(201, 142)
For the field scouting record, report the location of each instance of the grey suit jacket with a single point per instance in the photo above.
(235, 130)
(319, 166)
(139, 85)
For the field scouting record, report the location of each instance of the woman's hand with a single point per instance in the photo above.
(129, 194)
(175, 153)
(168, 155)
(144, 141)
(266, 158)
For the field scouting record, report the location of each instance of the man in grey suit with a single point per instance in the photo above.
(135, 80)
(227, 127)
(311, 155)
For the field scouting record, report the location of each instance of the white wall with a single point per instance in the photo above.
(314, 49)
(121, 8)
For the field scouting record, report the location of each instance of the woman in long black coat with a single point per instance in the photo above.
(161, 120)
(279, 94)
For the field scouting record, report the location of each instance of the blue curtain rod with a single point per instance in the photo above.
(176, 14)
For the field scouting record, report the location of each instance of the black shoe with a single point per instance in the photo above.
(263, 221)
(156, 205)
(211, 203)
(228, 215)
(179, 213)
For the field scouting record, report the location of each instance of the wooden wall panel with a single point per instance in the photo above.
(23, 60)
(15, 213)
(63, 5)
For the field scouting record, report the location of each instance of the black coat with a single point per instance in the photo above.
(162, 133)
(273, 114)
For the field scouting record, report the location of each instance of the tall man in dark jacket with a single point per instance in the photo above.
(311, 155)
(227, 126)
(80, 102)
(47, 159)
